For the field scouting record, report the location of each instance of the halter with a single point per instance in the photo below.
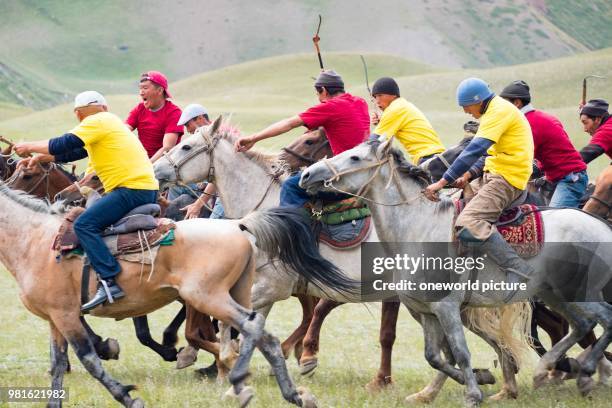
(602, 202)
(366, 186)
(44, 176)
(308, 159)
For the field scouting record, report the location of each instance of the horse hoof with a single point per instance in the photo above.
(474, 399)
(504, 395)
(186, 357)
(585, 384)
(418, 398)
(245, 396)
(308, 367)
(308, 400)
(483, 376)
(137, 403)
(377, 385)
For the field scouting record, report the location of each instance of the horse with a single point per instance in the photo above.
(600, 202)
(218, 285)
(42, 180)
(394, 187)
(539, 193)
(250, 181)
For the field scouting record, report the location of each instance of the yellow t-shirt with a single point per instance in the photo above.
(512, 154)
(115, 153)
(404, 120)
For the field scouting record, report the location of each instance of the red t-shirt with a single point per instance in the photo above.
(552, 146)
(345, 119)
(152, 126)
(603, 137)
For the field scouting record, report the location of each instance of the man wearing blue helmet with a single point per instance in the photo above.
(505, 135)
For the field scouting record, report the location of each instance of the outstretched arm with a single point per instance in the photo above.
(245, 143)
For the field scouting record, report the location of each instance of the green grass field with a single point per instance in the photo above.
(348, 359)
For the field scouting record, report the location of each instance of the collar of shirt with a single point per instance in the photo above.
(527, 108)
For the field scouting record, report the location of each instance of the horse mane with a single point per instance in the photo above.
(404, 167)
(231, 133)
(22, 198)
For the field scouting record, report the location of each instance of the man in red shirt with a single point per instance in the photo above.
(596, 122)
(557, 157)
(343, 116)
(156, 117)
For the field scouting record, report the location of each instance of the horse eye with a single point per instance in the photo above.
(96, 178)
(186, 147)
(355, 158)
(308, 142)
(27, 176)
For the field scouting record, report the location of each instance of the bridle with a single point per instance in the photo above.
(209, 146)
(308, 159)
(602, 202)
(393, 178)
(43, 177)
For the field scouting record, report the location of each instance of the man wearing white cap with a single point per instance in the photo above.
(124, 169)
(193, 117)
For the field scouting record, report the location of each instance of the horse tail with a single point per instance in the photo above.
(284, 233)
(505, 324)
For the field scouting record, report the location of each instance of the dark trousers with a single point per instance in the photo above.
(106, 211)
(294, 196)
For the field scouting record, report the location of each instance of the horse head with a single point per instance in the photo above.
(77, 192)
(308, 149)
(43, 180)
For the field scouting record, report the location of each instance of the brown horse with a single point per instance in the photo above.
(600, 202)
(43, 180)
(218, 285)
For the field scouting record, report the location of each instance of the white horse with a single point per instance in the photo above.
(251, 180)
(394, 187)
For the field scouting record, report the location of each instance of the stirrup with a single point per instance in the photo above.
(109, 297)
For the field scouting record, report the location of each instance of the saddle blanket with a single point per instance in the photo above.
(521, 227)
(347, 235)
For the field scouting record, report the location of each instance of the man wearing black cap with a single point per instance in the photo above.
(402, 119)
(596, 122)
(344, 117)
(556, 156)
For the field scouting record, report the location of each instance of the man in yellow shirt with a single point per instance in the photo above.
(405, 121)
(505, 135)
(124, 169)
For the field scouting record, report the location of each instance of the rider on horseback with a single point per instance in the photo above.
(505, 134)
(553, 149)
(596, 121)
(344, 117)
(402, 119)
(122, 165)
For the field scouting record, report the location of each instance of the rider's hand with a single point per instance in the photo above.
(463, 180)
(431, 192)
(244, 143)
(375, 118)
(28, 162)
(193, 210)
(22, 149)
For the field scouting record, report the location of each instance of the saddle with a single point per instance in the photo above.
(521, 226)
(340, 224)
(137, 231)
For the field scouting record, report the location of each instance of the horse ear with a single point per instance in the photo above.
(216, 124)
(386, 146)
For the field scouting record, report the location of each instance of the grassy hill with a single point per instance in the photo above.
(53, 49)
(260, 92)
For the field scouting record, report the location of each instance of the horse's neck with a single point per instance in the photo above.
(26, 235)
(241, 182)
(420, 220)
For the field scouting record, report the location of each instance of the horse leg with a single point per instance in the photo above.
(294, 341)
(107, 350)
(59, 364)
(602, 312)
(194, 320)
(449, 318)
(309, 361)
(581, 326)
(77, 337)
(388, 326)
(170, 333)
(141, 324)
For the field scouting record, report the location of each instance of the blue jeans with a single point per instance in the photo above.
(218, 212)
(294, 196)
(106, 211)
(569, 190)
(176, 191)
